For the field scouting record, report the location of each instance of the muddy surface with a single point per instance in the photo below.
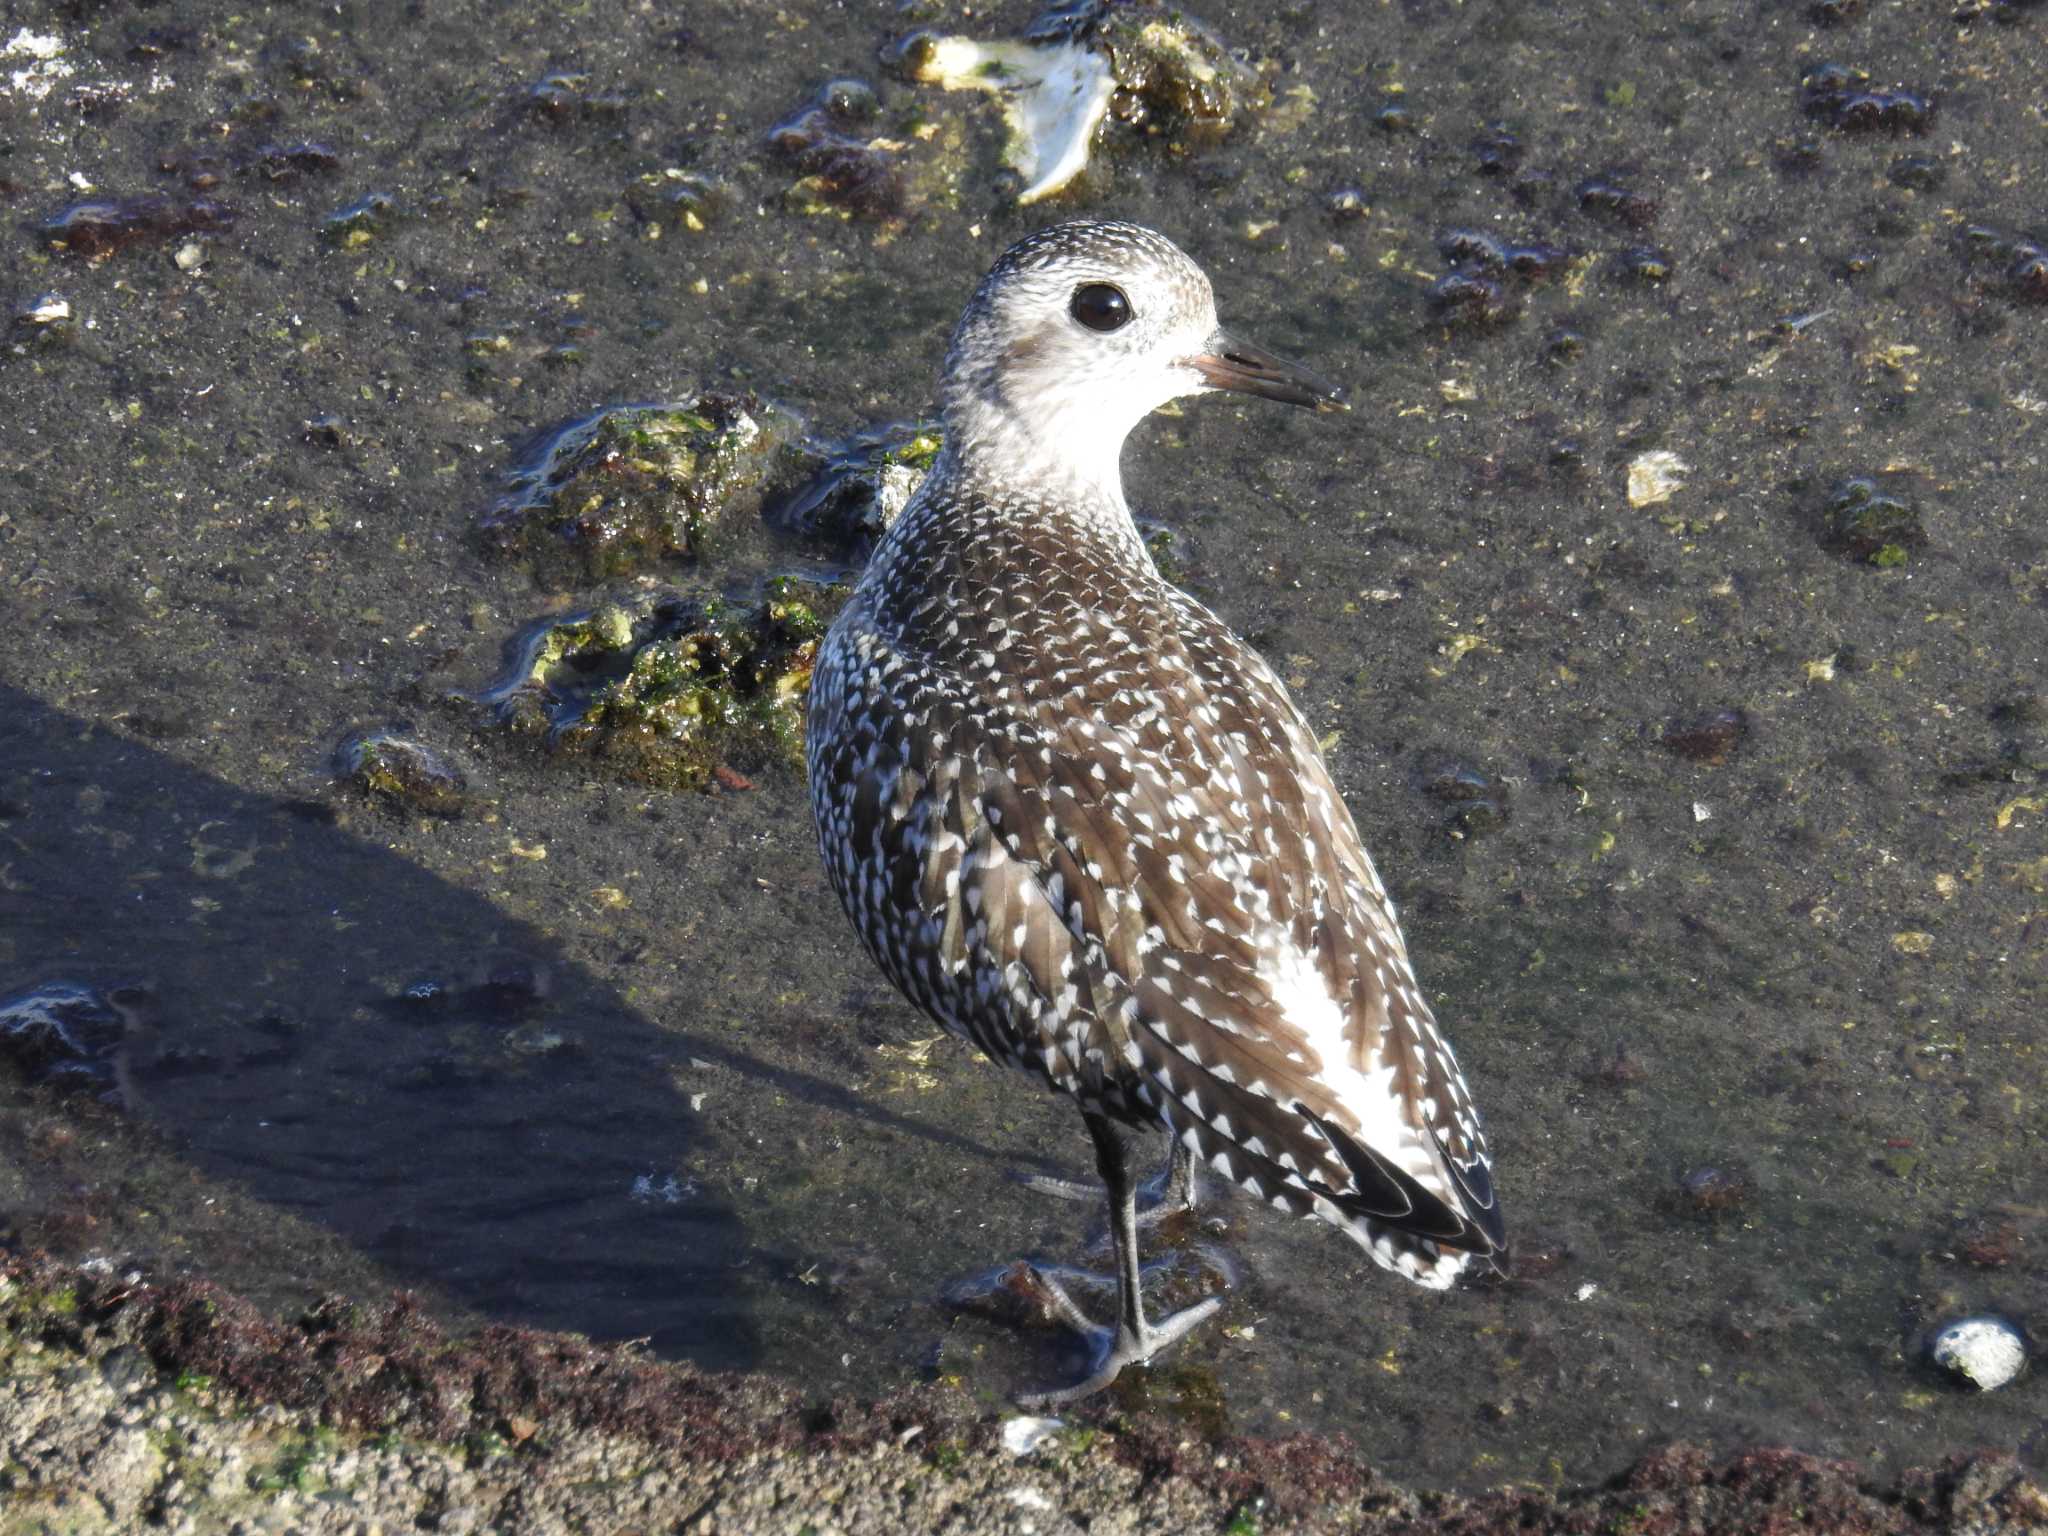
(1711, 784)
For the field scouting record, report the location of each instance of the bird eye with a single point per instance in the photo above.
(1100, 307)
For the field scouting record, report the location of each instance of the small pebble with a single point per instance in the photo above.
(1394, 118)
(1644, 265)
(1916, 173)
(1346, 203)
(1470, 299)
(326, 430)
(1606, 198)
(1708, 1191)
(1497, 150)
(2027, 277)
(1563, 346)
(1984, 1352)
(1865, 520)
(401, 773)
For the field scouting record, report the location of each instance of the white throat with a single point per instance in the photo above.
(1063, 457)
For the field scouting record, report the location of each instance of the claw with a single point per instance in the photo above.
(1112, 1350)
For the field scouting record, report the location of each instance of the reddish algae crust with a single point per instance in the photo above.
(394, 1369)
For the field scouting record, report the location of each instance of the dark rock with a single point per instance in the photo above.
(841, 166)
(1845, 99)
(669, 694)
(1478, 800)
(1642, 266)
(1465, 298)
(70, 1035)
(1471, 248)
(401, 774)
(556, 97)
(97, 228)
(1713, 1191)
(1497, 151)
(2027, 275)
(326, 430)
(635, 486)
(1534, 262)
(859, 486)
(1608, 199)
(288, 162)
(1867, 522)
(1916, 173)
(509, 986)
(1710, 738)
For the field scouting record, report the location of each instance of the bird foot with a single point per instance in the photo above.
(1111, 1349)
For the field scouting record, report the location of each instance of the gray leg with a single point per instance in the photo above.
(1169, 1192)
(1135, 1341)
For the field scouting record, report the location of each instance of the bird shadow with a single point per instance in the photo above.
(357, 1044)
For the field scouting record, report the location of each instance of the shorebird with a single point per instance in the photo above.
(1081, 823)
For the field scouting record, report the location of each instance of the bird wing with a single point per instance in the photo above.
(1161, 883)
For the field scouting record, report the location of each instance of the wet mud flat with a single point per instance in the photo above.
(1671, 606)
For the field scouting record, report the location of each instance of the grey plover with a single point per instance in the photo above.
(1081, 823)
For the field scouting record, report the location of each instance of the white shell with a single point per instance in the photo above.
(1985, 1352)
(1026, 1433)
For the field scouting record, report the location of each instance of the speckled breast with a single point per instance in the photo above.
(945, 701)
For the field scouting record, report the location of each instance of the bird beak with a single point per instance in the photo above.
(1227, 363)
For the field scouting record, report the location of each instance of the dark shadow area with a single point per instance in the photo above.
(356, 1042)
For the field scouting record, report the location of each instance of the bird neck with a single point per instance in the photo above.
(1059, 468)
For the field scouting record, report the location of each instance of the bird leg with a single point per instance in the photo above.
(1134, 1341)
(1174, 1189)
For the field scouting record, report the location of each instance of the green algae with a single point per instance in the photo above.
(677, 693)
(632, 487)
(1173, 74)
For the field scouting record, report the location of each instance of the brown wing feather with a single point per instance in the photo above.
(1110, 856)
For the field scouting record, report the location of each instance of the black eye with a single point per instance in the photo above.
(1100, 307)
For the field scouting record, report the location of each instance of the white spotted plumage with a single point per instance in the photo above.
(1080, 822)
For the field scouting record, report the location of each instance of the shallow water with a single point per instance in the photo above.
(664, 1094)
